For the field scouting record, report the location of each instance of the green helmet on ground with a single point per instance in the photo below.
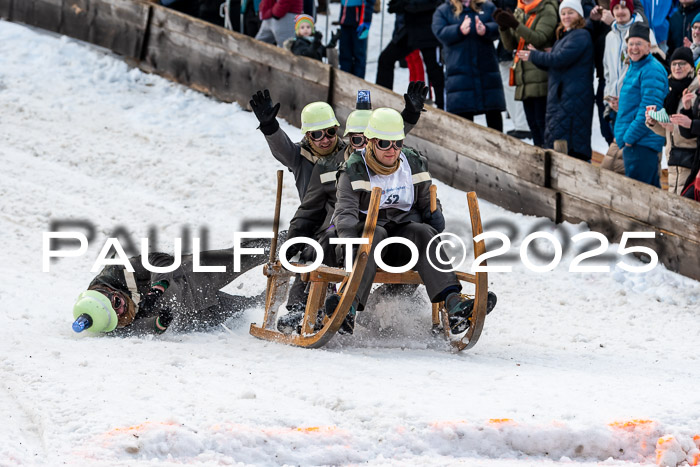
(357, 121)
(99, 308)
(385, 123)
(317, 116)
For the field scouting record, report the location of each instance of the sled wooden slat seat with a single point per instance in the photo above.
(329, 274)
(319, 279)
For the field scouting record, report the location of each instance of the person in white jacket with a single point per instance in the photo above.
(615, 59)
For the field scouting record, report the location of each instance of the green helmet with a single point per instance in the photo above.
(357, 121)
(385, 123)
(99, 308)
(317, 116)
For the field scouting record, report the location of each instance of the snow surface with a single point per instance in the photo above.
(572, 368)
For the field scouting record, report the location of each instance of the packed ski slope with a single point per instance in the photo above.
(572, 368)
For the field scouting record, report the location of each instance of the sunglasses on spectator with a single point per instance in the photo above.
(680, 64)
(319, 134)
(385, 144)
(358, 140)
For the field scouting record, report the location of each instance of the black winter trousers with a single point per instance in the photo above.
(535, 113)
(494, 118)
(398, 255)
(396, 51)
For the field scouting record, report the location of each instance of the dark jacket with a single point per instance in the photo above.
(570, 96)
(645, 84)
(311, 46)
(297, 157)
(354, 193)
(315, 214)
(473, 78)
(193, 299)
(418, 15)
(679, 25)
(531, 81)
(354, 12)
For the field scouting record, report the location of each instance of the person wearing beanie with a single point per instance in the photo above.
(570, 66)
(278, 20)
(681, 150)
(307, 42)
(680, 24)
(645, 85)
(694, 42)
(615, 60)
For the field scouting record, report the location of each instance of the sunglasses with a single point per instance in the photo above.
(358, 140)
(385, 144)
(319, 134)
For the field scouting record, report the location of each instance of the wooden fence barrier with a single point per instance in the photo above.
(503, 170)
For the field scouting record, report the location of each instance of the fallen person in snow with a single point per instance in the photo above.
(142, 302)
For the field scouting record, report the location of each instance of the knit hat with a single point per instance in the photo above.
(629, 4)
(299, 19)
(573, 4)
(640, 30)
(695, 20)
(683, 53)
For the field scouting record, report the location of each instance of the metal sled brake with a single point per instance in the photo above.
(278, 284)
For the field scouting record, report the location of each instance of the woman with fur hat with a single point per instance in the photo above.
(570, 96)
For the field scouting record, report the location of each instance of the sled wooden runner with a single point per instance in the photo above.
(278, 281)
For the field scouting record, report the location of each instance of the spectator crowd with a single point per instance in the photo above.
(549, 63)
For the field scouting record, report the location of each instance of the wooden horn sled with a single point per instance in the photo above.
(278, 285)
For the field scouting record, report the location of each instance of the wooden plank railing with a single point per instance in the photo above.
(503, 170)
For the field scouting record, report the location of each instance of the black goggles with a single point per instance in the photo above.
(358, 140)
(114, 298)
(385, 144)
(319, 134)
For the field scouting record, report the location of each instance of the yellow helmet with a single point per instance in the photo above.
(357, 121)
(317, 116)
(385, 123)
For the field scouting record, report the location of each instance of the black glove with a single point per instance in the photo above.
(434, 219)
(334, 39)
(163, 320)
(265, 112)
(415, 100)
(505, 19)
(415, 96)
(148, 302)
(294, 249)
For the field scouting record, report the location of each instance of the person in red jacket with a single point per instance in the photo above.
(278, 20)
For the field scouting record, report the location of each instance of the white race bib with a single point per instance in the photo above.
(397, 188)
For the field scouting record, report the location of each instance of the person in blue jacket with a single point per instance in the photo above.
(570, 88)
(658, 13)
(473, 84)
(355, 20)
(645, 84)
